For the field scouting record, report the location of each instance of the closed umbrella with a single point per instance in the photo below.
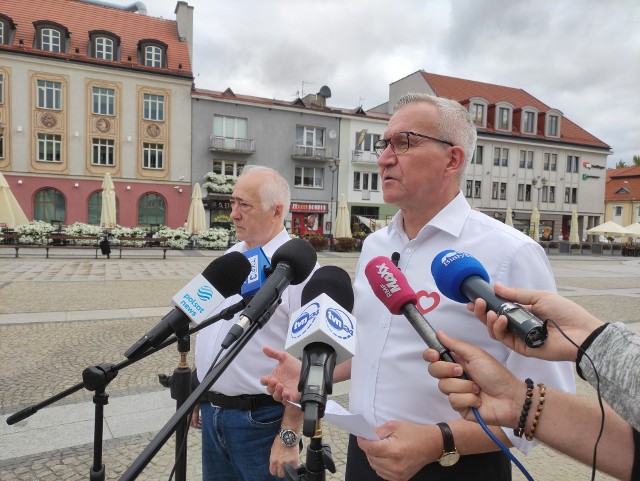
(509, 217)
(196, 219)
(108, 210)
(343, 224)
(535, 223)
(11, 213)
(574, 238)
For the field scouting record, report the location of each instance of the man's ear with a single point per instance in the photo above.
(456, 158)
(279, 209)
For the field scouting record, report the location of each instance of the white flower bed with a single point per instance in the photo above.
(215, 238)
(35, 232)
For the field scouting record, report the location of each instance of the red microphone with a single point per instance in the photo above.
(391, 287)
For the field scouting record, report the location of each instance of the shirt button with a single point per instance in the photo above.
(407, 251)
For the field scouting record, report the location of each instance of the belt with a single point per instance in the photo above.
(244, 401)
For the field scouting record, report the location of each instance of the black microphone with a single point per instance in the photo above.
(462, 278)
(395, 258)
(221, 279)
(293, 263)
(322, 334)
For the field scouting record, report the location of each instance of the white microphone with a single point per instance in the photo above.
(195, 302)
(321, 333)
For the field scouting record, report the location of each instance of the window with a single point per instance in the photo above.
(503, 118)
(477, 191)
(227, 167)
(2, 144)
(520, 191)
(49, 148)
(469, 189)
(365, 181)
(49, 95)
(95, 208)
(494, 190)
(574, 195)
(523, 159)
(365, 142)
(1, 85)
(477, 114)
(545, 165)
(505, 157)
(102, 152)
(151, 210)
(552, 194)
(554, 161)
(231, 127)
(50, 40)
(49, 205)
(153, 56)
(477, 155)
(310, 136)
(2, 32)
(572, 163)
(103, 101)
(553, 125)
(503, 191)
(7, 30)
(153, 107)
(617, 210)
(545, 193)
(104, 48)
(309, 177)
(571, 195)
(496, 156)
(529, 123)
(152, 156)
(527, 192)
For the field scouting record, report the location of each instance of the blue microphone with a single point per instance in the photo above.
(461, 277)
(257, 276)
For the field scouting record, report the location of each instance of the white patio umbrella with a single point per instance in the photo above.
(535, 223)
(343, 221)
(196, 220)
(108, 210)
(11, 213)
(508, 219)
(574, 237)
(633, 230)
(609, 228)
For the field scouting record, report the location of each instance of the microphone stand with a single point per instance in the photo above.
(97, 378)
(187, 406)
(319, 459)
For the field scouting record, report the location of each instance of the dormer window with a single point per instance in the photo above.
(529, 120)
(104, 45)
(7, 30)
(552, 124)
(478, 111)
(51, 37)
(153, 53)
(622, 190)
(504, 116)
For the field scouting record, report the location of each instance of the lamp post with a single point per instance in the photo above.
(333, 167)
(543, 183)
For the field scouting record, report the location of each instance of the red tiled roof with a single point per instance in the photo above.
(627, 178)
(81, 18)
(462, 90)
(297, 103)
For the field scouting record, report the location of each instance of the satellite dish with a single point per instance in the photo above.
(332, 134)
(325, 92)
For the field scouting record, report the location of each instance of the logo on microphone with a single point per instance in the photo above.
(205, 293)
(391, 286)
(253, 275)
(305, 320)
(452, 256)
(339, 323)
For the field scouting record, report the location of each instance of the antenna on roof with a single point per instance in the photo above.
(303, 83)
(360, 99)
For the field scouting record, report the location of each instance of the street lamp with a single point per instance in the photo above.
(333, 167)
(543, 183)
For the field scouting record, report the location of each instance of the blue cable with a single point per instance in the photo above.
(501, 446)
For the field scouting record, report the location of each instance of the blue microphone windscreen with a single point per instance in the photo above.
(450, 268)
(227, 273)
(257, 276)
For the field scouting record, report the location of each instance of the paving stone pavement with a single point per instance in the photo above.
(60, 315)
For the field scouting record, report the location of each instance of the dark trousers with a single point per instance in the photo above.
(494, 466)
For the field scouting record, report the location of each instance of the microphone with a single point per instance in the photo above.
(222, 278)
(293, 261)
(462, 278)
(257, 277)
(392, 289)
(321, 333)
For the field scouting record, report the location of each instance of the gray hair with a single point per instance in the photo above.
(453, 123)
(274, 192)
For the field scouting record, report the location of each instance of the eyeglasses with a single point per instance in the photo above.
(399, 142)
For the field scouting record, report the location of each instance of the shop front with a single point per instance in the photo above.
(308, 218)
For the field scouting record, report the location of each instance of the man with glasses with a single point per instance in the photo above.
(423, 155)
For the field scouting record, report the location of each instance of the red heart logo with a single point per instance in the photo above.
(427, 301)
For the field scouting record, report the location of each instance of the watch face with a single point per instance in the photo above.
(449, 459)
(289, 438)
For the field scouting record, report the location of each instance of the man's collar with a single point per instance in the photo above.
(270, 247)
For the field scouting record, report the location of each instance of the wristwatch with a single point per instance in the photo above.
(450, 455)
(288, 437)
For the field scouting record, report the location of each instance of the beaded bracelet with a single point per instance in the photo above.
(519, 431)
(536, 417)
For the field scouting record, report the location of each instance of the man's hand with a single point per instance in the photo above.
(282, 383)
(282, 455)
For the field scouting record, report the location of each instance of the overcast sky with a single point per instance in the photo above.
(581, 57)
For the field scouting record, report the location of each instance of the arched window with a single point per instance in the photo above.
(49, 206)
(152, 210)
(95, 208)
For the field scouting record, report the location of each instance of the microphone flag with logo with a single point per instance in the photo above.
(221, 279)
(258, 275)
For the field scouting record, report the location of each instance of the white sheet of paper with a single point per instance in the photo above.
(352, 423)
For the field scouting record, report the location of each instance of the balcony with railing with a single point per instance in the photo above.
(363, 157)
(232, 144)
(308, 152)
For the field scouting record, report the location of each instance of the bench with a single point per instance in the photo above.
(74, 241)
(145, 243)
(10, 241)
